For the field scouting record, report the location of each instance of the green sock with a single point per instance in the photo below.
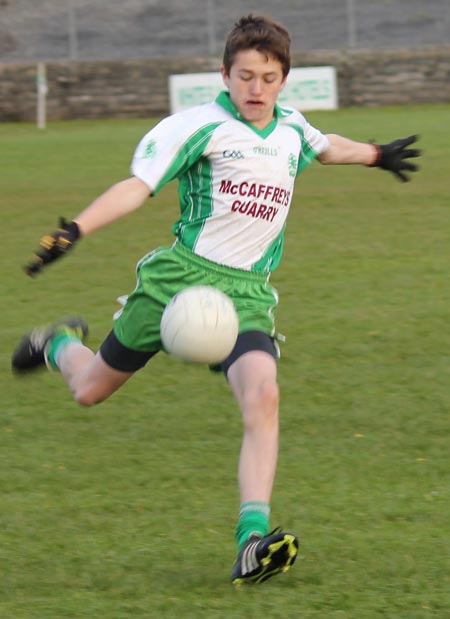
(58, 342)
(253, 518)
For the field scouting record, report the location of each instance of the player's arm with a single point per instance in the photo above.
(345, 151)
(394, 156)
(117, 202)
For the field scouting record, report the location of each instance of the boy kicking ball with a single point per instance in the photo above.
(236, 160)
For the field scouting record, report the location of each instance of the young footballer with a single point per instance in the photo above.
(236, 160)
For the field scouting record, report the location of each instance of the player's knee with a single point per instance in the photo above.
(87, 396)
(261, 404)
(270, 396)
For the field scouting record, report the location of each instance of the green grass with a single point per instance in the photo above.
(127, 510)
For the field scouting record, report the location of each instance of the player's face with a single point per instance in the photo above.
(254, 82)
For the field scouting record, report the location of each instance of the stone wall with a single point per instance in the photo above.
(139, 88)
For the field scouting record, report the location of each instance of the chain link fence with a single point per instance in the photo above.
(32, 30)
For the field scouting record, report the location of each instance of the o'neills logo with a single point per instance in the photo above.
(254, 208)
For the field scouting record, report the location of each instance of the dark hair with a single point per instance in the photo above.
(262, 34)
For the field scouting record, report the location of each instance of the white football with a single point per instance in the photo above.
(200, 325)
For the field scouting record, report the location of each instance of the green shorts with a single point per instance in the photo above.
(166, 271)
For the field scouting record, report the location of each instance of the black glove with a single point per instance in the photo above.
(395, 155)
(54, 245)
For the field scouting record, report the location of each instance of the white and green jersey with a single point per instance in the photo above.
(235, 181)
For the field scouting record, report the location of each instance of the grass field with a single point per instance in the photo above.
(128, 510)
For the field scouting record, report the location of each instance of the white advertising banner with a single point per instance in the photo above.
(307, 88)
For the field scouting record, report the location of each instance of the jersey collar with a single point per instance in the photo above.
(224, 100)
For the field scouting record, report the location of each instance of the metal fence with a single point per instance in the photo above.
(33, 30)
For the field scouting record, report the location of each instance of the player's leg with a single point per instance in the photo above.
(253, 380)
(90, 377)
(94, 377)
(252, 376)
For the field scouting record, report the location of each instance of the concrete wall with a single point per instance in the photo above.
(139, 88)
